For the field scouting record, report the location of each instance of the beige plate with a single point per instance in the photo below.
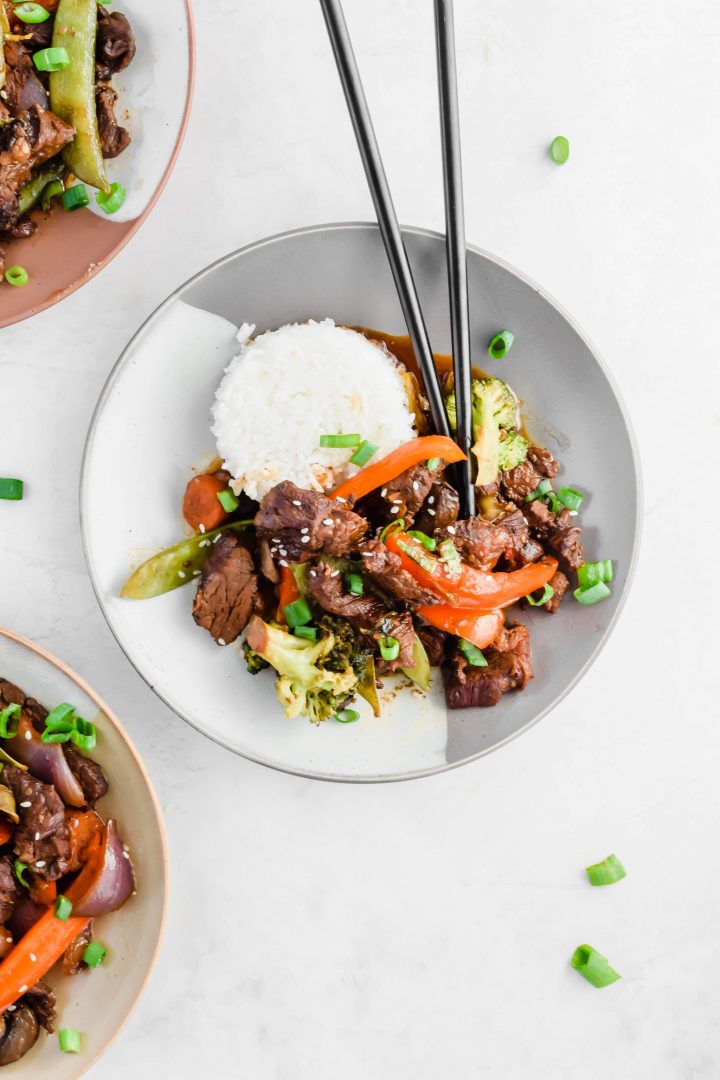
(99, 1002)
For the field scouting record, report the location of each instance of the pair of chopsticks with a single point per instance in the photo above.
(392, 237)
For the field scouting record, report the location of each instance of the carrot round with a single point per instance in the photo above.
(201, 505)
(480, 627)
(396, 462)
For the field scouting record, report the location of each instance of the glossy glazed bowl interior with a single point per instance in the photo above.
(151, 429)
(154, 96)
(99, 1002)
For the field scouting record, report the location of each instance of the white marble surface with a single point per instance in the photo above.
(423, 930)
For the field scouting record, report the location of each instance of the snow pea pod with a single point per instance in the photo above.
(72, 89)
(420, 670)
(31, 192)
(175, 566)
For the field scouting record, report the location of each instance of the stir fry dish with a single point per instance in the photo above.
(332, 541)
(57, 107)
(61, 864)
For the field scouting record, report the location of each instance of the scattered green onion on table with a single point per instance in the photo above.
(10, 488)
(560, 149)
(606, 872)
(593, 966)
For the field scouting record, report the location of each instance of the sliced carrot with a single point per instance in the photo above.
(288, 591)
(411, 453)
(35, 954)
(44, 892)
(480, 627)
(83, 827)
(201, 505)
(6, 831)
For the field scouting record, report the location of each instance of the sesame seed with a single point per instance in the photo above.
(303, 540)
(339, 498)
(431, 499)
(383, 492)
(327, 521)
(126, 855)
(11, 1008)
(313, 573)
(196, 573)
(431, 512)
(296, 502)
(204, 543)
(201, 527)
(334, 573)
(573, 513)
(181, 573)
(22, 989)
(304, 530)
(26, 803)
(283, 562)
(40, 863)
(37, 835)
(276, 540)
(416, 486)
(221, 641)
(76, 823)
(451, 529)
(283, 552)
(28, 734)
(33, 957)
(217, 538)
(9, 940)
(395, 510)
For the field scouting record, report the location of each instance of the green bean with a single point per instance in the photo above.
(32, 191)
(72, 89)
(175, 566)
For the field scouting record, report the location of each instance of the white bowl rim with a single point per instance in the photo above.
(409, 230)
(120, 728)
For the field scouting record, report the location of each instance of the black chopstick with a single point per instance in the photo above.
(384, 208)
(455, 245)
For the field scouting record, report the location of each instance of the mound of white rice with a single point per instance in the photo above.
(288, 387)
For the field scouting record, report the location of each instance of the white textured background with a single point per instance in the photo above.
(423, 930)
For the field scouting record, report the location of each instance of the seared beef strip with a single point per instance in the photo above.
(42, 839)
(29, 140)
(560, 585)
(73, 956)
(113, 138)
(88, 774)
(401, 628)
(557, 531)
(440, 509)
(41, 1000)
(509, 667)
(516, 484)
(10, 890)
(114, 44)
(228, 592)
(482, 543)
(327, 589)
(385, 568)
(300, 523)
(543, 462)
(434, 641)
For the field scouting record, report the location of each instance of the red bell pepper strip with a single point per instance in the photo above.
(480, 627)
(288, 591)
(396, 462)
(466, 586)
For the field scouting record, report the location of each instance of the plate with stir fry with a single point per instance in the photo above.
(82, 869)
(286, 562)
(93, 106)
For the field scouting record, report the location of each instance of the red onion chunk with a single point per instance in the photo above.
(114, 880)
(46, 761)
(25, 915)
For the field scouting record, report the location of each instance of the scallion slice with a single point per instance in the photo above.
(544, 488)
(472, 654)
(51, 59)
(69, 1040)
(592, 572)
(10, 488)
(389, 648)
(394, 526)
(340, 442)
(9, 721)
(547, 594)
(450, 556)
(84, 736)
(298, 613)
(427, 541)
(593, 594)
(111, 201)
(364, 452)
(61, 718)
(20, 869)
(75, 197)
(17, 276)
(433, 463)
(593, 966)
(606, 872)
(347, 716)
(559, 149)
(228, 500)
(354, 584)
(308, 632)
(570, 498)
(94, 954)
(63, 908)
(499, 345)
(31, 13)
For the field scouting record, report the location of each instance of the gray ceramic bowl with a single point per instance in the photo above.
(152, 426)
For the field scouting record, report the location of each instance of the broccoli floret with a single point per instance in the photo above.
(349, 649)
(304, 686)
(512, 450)
(253, 660)
(494, 407)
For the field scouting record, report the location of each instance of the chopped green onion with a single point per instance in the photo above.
(354, 584)
(426, 561)
(394, 526)
(308, 632)
(61, 718)
(111, 201)
(559, 149)
(543, 488)
(84, 736)
(10, 488)
(50, 191)
(547, 594)
(592, 572)
(347, 716)
(450, 556)
(228, 501)
(94, 954)
(51, 59)
(63, 908)
(427, 541)
(340, 442)
(500, 345)
(69, 1039)
(20, 868)
(593, 594)
(606, 872)
(364, 452)
(8, 721)
(17, 276)
(433, 463)
(75, 197)
(298, 613)
(570, 498)
(31, 13)
(593, 966)
(472, 654)
(389, 648)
